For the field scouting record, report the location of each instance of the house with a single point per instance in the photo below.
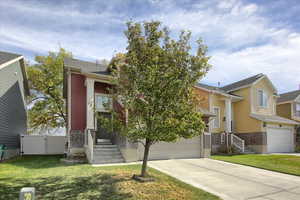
(86, 86)
(247, 109)
(13, 92)
(288, 106)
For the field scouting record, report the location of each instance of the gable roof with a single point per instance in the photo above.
(6, 57)
(208, 87)
(217, 90)
(242, 83)
(289, 96)
(88, 67)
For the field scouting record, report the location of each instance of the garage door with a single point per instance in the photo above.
(280, 140)
(184, 148)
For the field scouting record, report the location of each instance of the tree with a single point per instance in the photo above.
(154, 82)
(46, 105)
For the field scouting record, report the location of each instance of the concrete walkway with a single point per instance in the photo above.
(232, 181)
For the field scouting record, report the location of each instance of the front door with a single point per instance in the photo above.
(101, 132)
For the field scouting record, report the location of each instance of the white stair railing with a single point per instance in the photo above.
(237, 142)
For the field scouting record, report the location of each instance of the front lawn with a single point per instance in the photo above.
(281, 163)
(55, 180)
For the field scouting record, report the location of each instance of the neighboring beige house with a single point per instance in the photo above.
(247, 108)
(288, 106)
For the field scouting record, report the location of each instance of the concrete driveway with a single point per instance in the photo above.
(232, 181)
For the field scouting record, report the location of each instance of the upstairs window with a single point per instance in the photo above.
(103, 103)
(262, 98)
(297, 113)
(216, 121)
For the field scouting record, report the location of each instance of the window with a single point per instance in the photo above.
(216, 121)
(103, 102)
(297, 113)
(262, 98)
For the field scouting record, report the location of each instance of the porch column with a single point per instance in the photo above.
(90, 103)
(228, 115)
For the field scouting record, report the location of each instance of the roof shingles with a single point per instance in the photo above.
(242, 83)
(84, 66)
(6, 57)
(289, 96)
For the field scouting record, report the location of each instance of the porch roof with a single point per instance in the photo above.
(206, 113)
(87, 67)
(273, 119)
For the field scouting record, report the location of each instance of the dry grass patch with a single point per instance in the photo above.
(55, 180)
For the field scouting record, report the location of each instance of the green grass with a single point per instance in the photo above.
(55, 180)
(280, 163)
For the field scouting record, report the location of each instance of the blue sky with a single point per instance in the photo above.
(244, 37)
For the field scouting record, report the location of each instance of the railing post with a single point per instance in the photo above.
(94, 137)
(243, 145)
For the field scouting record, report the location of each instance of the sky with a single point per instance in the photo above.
(244, 37)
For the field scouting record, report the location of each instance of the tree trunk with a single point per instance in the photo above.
(145, 159)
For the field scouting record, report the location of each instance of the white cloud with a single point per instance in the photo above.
(41, 28)
(242, 41)
(226, 23)
(248, 43)
(82, 44)
(280, 61)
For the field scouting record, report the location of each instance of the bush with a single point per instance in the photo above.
(230, 150)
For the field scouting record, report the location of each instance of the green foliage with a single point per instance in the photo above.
(288, 164)
(297, 149)
(154, 81)
(47, 108)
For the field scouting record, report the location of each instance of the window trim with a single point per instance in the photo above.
(219, 117)
(295, 111)
(102, 95)
(263, 94)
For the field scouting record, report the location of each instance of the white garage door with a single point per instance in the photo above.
(184, 148)
(280, 140)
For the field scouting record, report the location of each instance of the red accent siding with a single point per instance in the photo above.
(78, 102)
(102, 88)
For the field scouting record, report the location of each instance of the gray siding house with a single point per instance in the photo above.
(13, 92)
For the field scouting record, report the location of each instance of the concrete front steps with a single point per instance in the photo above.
(105, 152)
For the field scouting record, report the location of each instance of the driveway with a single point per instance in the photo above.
(232, 181)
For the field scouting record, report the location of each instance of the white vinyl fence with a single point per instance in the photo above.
(42, 144)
